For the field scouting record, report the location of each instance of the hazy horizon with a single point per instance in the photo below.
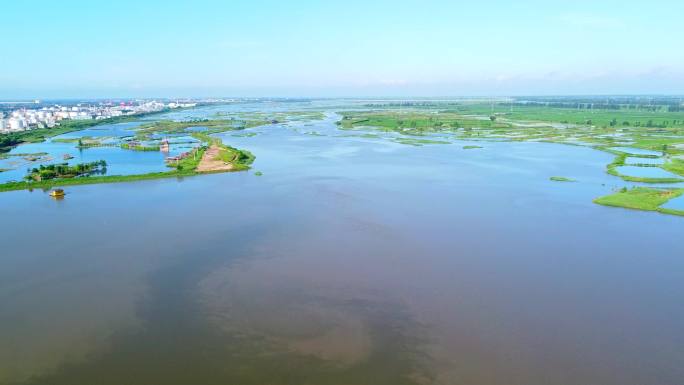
(478, 98)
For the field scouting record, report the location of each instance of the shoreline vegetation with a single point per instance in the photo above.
(64, 170)
(634, 132)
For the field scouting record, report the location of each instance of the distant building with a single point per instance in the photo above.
(17, 124)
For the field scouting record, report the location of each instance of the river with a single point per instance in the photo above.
(353, 259)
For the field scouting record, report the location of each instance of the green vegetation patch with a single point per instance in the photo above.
(212, 126)
(240, 159)
(471, 147)
(561, 179)
(642, 198)
(133, 147)
(64, 170)
(419, 142)
(620, 161)
(46, 184)
(414, 122)
(675, 166)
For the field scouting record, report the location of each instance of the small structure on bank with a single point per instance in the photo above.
(179, 157)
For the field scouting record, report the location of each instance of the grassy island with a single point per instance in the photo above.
(561, 179)
(642, 198)
(138, 147)
(64, 170)
(235, 159)
(205, 126)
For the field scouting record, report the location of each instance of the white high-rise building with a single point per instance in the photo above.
(17, 124)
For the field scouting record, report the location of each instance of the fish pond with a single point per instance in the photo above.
(107, 140)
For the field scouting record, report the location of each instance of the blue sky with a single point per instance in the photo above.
(339, 48)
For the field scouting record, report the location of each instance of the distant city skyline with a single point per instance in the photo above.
(83, 49)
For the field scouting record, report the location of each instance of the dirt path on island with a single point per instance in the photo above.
(210, 161)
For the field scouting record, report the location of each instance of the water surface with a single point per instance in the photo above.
(645, 172)
(675, 204)
(353, 260)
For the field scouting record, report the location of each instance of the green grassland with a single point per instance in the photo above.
(414, 122)
(624, 117)
(675, 166)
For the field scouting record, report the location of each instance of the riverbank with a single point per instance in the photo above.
(14, 186)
